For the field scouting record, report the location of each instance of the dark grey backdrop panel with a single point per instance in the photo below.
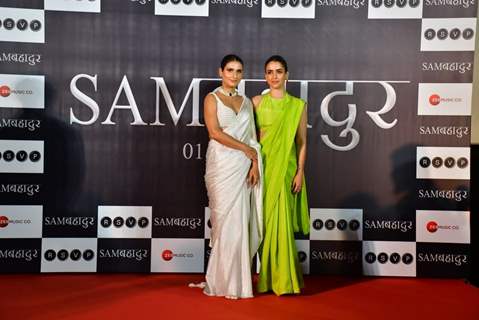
(87, 166)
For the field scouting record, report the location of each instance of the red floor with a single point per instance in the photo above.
(168, 297)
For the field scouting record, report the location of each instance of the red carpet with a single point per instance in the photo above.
(168, 297)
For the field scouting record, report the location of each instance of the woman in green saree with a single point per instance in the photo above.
(282, 121)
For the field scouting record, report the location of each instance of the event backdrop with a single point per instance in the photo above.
(102, 137)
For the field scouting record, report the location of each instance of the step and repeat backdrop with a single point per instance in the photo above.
(102, 137)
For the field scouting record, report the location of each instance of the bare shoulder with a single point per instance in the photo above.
(210, 99)
(256, 101)
(300, 102)
(209, 103)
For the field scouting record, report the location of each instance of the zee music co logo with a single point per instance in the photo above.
(130, 222)
(454, 34)
(3, 221)
(21, 24)
(186, 2)
(432, 227)
(167, 255)
(292, 3)
(398, 3)
(5, 91)
(436, 99)
(394, 258)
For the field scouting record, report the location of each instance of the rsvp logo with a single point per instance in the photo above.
(21, 156)
(296, 9)
(448, 34)
(199, 8)
(22, 25)
(443, 163)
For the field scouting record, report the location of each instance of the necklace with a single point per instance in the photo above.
(228, 94)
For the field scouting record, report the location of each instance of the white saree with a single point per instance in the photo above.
(236, 209)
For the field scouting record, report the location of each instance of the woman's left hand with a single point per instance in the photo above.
(297, 183)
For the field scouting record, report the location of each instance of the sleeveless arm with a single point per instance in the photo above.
(300, 141)
(256, 101)
(254, 136)
(301, 212)
(301, 138)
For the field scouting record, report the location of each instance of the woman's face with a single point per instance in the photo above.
(275, 75)
(232, 74)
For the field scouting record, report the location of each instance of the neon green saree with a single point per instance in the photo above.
(284, 212)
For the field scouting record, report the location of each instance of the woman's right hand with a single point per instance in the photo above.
(253, 175)
(250, 153)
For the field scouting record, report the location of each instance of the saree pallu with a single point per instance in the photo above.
(236, 209)
(284, 212)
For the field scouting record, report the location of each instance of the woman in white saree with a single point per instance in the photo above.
(234, 183)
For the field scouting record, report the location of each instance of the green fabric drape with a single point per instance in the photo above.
(284, 212)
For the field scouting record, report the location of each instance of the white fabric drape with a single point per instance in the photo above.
(236, 209)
